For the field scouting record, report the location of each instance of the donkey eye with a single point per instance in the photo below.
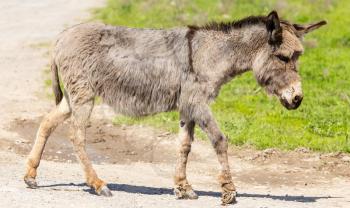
(285, 59)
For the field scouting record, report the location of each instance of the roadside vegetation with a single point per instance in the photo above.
(245, 113)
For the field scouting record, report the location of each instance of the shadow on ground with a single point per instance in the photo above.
(166, 191)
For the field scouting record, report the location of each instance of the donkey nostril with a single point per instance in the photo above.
(297, 99)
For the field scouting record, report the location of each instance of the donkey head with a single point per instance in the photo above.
(276, 65)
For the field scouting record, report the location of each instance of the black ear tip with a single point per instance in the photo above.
(273, 13)
(323, 22)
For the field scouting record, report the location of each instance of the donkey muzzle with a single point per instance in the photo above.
(296, 101)
(292, 96)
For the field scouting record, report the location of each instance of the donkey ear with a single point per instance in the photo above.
(274, 29)
(303, 29)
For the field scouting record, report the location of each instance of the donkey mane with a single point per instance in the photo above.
(226, 27)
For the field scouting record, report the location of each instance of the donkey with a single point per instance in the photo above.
(141, 72)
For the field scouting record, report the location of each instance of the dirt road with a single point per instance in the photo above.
(137, 161)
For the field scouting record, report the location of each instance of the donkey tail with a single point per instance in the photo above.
(56, 83)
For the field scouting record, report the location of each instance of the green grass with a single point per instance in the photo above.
(245, 113)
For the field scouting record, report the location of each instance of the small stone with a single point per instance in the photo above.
(270, 151)
(250, 158)
(302, 150)
(346, 158)
(22, 141)
(99, 140)
(164, 134)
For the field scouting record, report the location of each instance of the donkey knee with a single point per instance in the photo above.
(220, 143)
(185, 149)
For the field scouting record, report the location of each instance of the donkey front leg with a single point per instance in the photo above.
(183, 189)
(81, 115)
(206, 121)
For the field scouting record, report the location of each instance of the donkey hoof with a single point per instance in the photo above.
(185, 193)
(105, 192)
(191, 194)
(228, 197)
(31, 183)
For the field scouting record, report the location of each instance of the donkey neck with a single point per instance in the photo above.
(218, 56)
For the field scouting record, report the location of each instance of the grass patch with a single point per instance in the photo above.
(40, 45)
(246, 115)
(48, 83)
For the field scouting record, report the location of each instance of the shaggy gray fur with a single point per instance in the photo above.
(137, 71)
(144, 71)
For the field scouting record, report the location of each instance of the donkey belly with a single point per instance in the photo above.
(139, 93)
(146, 103)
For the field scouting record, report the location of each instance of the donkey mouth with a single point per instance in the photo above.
(291, 106)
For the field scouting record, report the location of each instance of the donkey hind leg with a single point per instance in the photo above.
(47, 126)
(80, 118)
(208, 124)
(183, 189)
